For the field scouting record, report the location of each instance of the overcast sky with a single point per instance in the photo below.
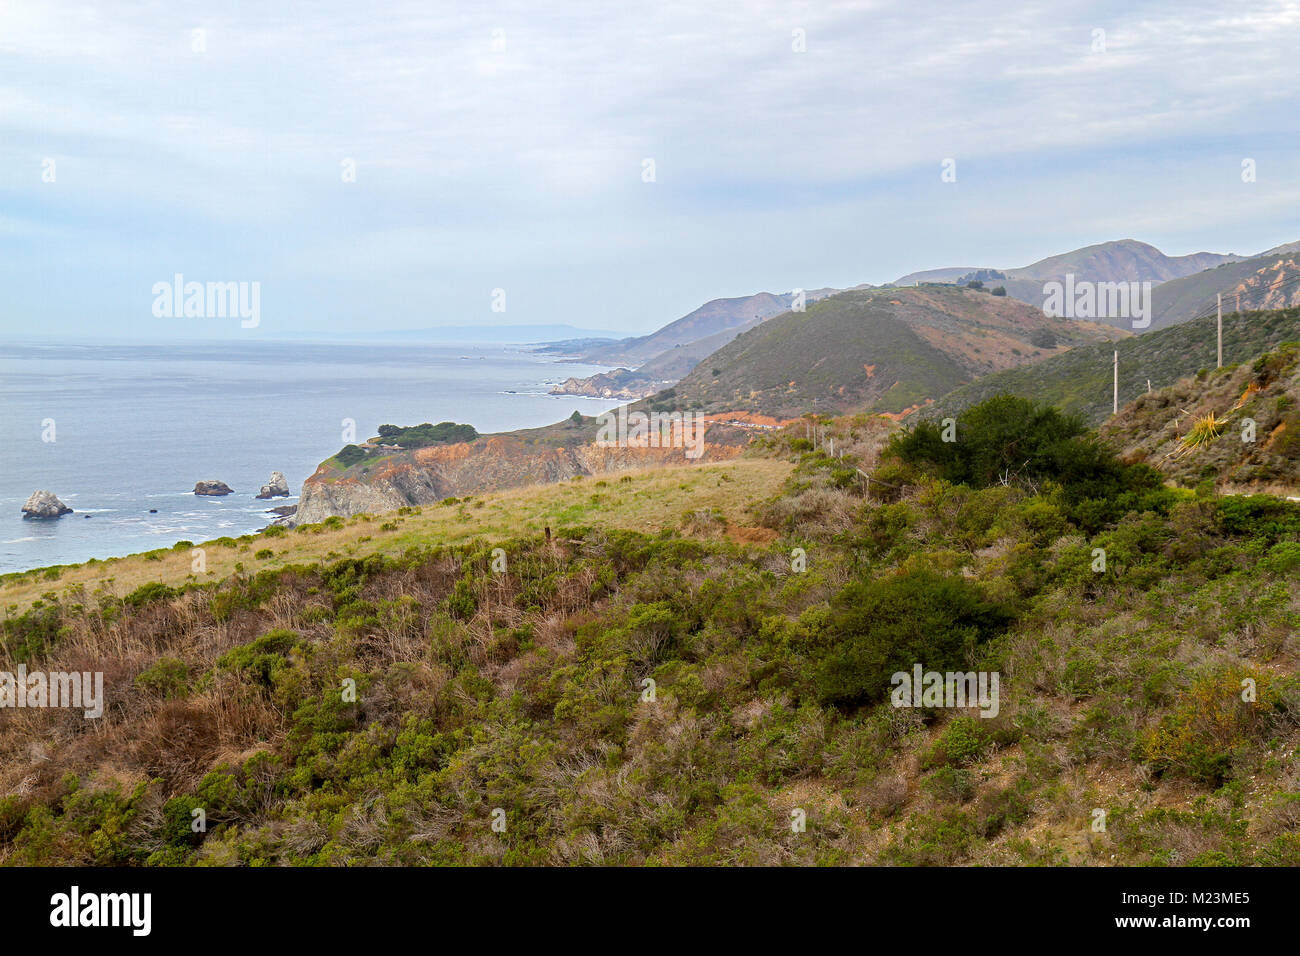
(504, 145)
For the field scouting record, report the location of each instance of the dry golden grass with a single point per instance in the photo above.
(645, 500)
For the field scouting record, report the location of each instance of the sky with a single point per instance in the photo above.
(389, 165)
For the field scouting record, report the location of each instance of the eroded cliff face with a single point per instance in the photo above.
(427, 475)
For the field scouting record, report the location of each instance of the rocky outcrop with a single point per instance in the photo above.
(277, 487)
(43, 504)
(214, 489)
(425, 476)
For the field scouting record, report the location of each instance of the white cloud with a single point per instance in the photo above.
(531, 152)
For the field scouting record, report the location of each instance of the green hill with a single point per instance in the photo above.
(1080, 380)
(886, 350)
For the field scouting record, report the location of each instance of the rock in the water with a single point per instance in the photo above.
(42, 504)
(213, 488)
(283, 510)
(278, 487)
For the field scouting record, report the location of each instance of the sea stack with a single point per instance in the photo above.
(213, 489)
(43, 504)
(278, 487)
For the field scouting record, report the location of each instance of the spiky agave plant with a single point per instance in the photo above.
(1205, 429)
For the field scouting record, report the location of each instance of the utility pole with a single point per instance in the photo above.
(1220, 324)
(1115, 409)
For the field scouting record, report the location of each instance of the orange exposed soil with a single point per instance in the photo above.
(749, 418)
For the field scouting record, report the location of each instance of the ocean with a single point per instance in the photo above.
(118, 430)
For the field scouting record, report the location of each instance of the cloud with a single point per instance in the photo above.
(508, 137)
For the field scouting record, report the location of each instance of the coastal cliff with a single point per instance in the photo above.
(396, 478)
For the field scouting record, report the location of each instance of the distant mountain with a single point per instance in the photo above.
(710, 321)
(1080, 380)
(1278, 250)
(885, 349)
(1123, 260)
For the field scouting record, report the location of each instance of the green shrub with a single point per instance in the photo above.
(1215, 728)
(443, 433)
(1003, 437)
(1258, 516)
(962, 742)
(168, 678)
(32, 633)
(1283, 557)
(951, 784)
(882, 627)
(349, 455)
(145, 593)
(1010, 440)
(264, 658)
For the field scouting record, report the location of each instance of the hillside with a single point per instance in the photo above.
(1080, 380)
(1253, 443)
(882, 349)
(677, 694)
(1261, 283)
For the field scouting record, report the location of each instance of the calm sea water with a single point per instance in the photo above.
(135, 426)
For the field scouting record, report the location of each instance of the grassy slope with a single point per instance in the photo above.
(648, 499)
(1080, 380)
